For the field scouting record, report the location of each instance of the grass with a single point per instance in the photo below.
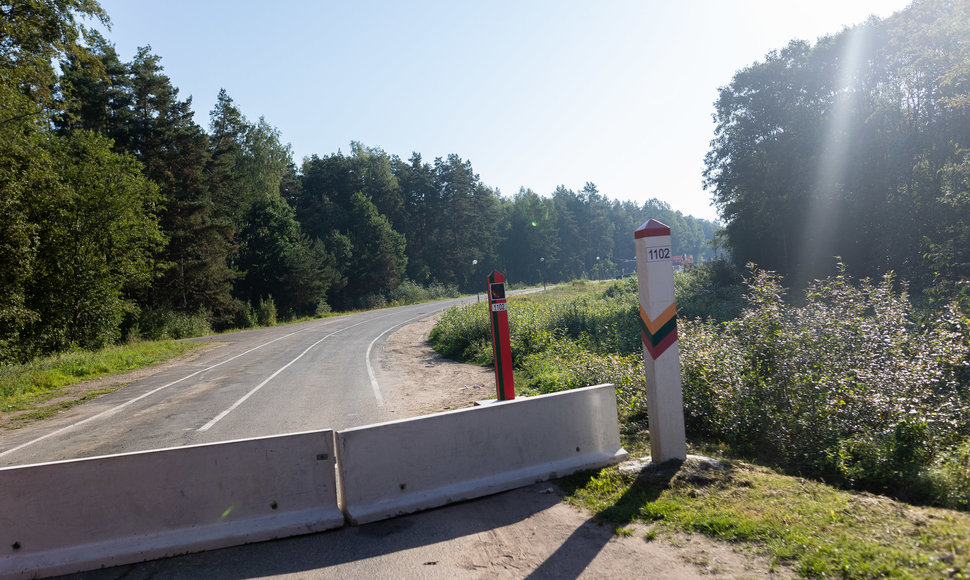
(28, 386)
(814, 529)
(564, 291)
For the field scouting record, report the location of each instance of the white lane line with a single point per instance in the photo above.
(113, 410)
(255, 389)
(370, 369)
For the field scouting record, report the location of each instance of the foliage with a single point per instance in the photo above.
(266, 312)
(853, 147)
(950, 477)
(850, 387)
(163, 324)
(853, 386)
(711, 290)
(95, 247)
(464, 333)
(213, 222)
(410, 292)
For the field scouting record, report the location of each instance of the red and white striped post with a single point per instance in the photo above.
(661, 352)
(501, 341)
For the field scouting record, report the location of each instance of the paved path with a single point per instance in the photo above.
(285, 379)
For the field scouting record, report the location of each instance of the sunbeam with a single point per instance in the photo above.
(825, 214)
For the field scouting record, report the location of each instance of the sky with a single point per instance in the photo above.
(534, 94)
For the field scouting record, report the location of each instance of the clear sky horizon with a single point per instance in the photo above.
(535, 94)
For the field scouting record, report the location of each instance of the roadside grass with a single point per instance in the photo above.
(563, 291)
(28, 386)
(813, 529)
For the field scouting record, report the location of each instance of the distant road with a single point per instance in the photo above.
(284, 379)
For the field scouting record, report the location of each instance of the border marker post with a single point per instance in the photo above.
(661, 351)
(501, 342)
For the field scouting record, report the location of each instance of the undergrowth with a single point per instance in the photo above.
(854, 386)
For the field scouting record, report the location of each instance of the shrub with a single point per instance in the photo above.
(161, 324)
(950, 477)
(410, 292)
(848, 387)
(244, 315)
(372, 301)
(266, 312)
(464, 333)
(712, 290)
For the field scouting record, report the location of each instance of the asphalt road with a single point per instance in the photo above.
(285, 379)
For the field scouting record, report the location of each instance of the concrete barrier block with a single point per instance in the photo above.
(405, 466)
(69, 516)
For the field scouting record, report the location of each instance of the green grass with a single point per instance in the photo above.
(814, 529)
(564, 291)
(29, 385)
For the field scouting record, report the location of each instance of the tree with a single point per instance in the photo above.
(421, 205)
(193, 271)
(33, 36)
(530, 242)
(838, 148)
(277, 260)
(95, 247)
(378, 257)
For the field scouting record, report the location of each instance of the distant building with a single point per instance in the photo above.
(683, 262)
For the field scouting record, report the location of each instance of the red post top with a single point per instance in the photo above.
(496, 277)
(650, 229)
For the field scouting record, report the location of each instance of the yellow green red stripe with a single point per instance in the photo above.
(659, 333)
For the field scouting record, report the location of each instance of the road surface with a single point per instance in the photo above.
(316, 375)
(285, 379)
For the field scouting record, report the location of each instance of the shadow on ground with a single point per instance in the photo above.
(312, 555)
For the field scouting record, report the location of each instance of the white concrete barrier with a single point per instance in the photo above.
(405, 466)
(69, 516)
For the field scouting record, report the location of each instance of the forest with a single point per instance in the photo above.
(857, 147)
(120, 212)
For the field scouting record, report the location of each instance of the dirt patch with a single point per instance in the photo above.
(416, 380)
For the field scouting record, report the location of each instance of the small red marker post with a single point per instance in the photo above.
(501, 342)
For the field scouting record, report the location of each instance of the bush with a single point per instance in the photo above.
(243, 315)
(161, 324)
(848, 387)
(266, 312)
(950, 477)
(410, 292)
(372, 301)
(712, 290)
(853, 386)
(464, 333)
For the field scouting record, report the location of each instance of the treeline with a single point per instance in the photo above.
(118, 210)
(855, 147)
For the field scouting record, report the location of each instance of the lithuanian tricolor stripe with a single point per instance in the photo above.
(659, 333)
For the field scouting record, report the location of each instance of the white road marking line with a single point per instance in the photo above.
(255, 389)
(113, 410)
(370, 369)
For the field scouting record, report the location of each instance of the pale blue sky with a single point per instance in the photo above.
(533, 93)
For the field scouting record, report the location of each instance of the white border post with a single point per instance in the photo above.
(661, 352)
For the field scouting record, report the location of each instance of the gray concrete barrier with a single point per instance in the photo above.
(405, 466)
(68, 516)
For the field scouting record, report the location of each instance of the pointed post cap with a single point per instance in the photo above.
(650, 229)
